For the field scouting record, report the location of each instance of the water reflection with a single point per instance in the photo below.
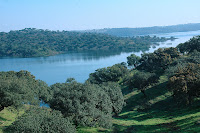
(69, 57)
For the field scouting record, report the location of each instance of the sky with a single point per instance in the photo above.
(95, 14)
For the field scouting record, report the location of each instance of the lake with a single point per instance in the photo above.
(58, 68)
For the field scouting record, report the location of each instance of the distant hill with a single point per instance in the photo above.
(31, 42)
(128, 32)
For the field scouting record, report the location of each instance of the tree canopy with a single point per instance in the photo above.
(32, 42)
(142, 80)
(113, 90)
(133, 60)
(159, 60)
(190, 46)
(109, 74)
(41, 120)
(185, 83)
(86, 105)
(17, 88)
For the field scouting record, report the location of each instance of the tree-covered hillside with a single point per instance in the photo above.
(36, 42)
(129, 32)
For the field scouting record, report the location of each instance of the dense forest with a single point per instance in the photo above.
(160, 93)
(129, 32)
(32, 42)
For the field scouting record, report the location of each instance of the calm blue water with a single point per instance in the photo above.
(58, 68)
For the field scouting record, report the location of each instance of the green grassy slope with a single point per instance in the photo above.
(8, 116)
(156, 114)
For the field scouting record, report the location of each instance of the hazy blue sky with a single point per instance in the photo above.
(95, 14)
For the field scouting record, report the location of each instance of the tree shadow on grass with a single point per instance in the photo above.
(138, 99)
(169, 109)
(138, 129)
(183, 125)
(178, 126)
(3, 119)
(126, 90)
(160, 114)
(165, 109)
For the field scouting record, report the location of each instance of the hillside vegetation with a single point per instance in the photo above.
(37, 42)
(129, 32)
(161, 93)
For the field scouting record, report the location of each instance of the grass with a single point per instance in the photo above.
(92, 130)
(173, 120)
(8, 116)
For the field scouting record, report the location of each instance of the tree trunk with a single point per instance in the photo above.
(1, 108)
(115, 113)
(143, 91)
(188, 100)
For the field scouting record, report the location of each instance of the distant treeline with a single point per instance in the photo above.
(31, 42)
(129, 32)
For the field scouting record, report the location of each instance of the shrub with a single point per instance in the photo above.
(40, 120)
